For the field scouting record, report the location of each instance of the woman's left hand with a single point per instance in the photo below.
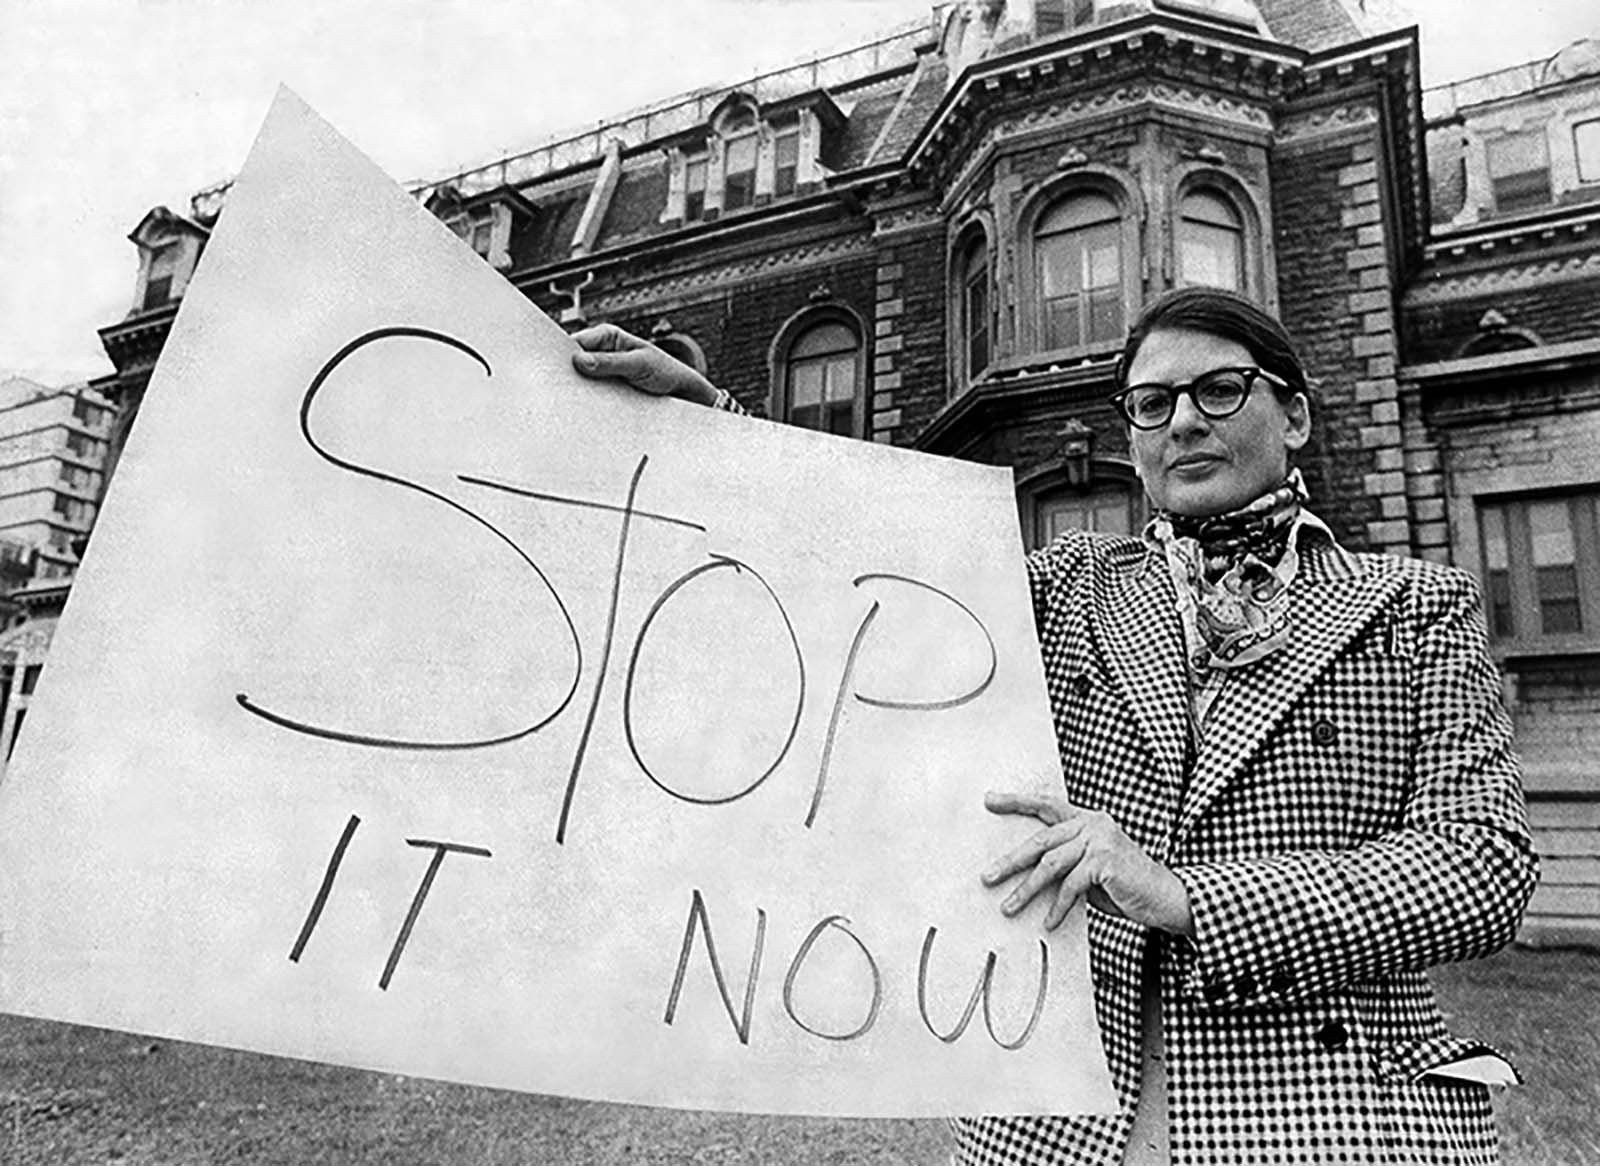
(1084, 852)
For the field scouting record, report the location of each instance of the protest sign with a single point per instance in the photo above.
(427, 708)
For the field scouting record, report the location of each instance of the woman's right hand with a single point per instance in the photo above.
(606, 352)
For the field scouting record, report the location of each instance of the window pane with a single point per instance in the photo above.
(1060, 262)
(822, 379)
(1104, 510)
(975, 309)
(1519, 170)
(1061, 324)
(1550, 525)
(164, 261)
(1586, 143)
(824, 339)
(1515, 153)
(1554, 561)
(740, 191)
(1497, 568)
(694, 188)
(1558, 599)
(806, 384)
(1104, 266)
(1080, 210)
(741, 154)
(1105, 315)
(785, 163)
(1079, 272)
(1201, 206)
(1208, 255)
(838, 378)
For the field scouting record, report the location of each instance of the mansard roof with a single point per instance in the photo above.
(160, 224)
(876, 101)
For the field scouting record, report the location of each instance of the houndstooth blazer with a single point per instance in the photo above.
(1352, 816)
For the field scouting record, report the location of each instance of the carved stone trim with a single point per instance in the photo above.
(1502, 279)
(1324, 122)
(648, 290)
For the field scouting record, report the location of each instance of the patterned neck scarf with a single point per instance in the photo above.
(1233, 573)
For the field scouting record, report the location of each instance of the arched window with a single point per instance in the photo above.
(1078, 272)
(1210, 241)
(822, 378)
(976, 316)
(684, 348)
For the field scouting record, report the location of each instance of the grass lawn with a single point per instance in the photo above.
(81, 1095)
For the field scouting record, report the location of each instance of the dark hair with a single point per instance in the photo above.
(1220, 313)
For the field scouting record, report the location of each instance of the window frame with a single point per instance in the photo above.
(1030, 322)
(972, 253)
(782, 359)
(1037, 489)
(1239, 228)
(1527, 635)
(694, 209)
(1520, 200)
(785, 134)
(162, 274)
(745, 178)
(1593, 175)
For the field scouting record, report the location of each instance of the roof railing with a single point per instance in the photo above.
(659, 119)
(676, 114)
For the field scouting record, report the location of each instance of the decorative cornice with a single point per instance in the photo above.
(1024, 393)
(643, 289)
(901, 220)
(1323, 122)
(1466, 285)
(1500, 367)
(140, 335)
(1070, 112)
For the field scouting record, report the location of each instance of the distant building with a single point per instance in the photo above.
(938, 239)
(53, 444)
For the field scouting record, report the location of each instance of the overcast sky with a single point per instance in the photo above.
(111, 107)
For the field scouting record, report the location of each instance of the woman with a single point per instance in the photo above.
(1288, 786)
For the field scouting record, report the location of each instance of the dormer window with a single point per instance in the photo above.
(163, 269)
(739, 168)
(1586, 146)
(745, 157)
(1519, 170)
(485, 226)
(786, 161)
(694, 187)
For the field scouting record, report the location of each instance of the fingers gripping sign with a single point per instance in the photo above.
(607, 352)
(1084, 853)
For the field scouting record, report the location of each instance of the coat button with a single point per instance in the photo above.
(1324, 732)
(1214, 990)
(1080, 685)
(1333, 1035)
(1280, 982)
(1245, 985)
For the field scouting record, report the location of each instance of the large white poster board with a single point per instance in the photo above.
(425, 708)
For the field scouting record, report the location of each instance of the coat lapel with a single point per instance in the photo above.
(1136, 625)
(1328, 611)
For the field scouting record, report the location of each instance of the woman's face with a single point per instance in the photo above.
(1197, 465)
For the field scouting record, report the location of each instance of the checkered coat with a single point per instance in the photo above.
(1352, 816)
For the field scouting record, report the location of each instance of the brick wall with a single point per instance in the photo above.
(736, 320)
(1553, 308)
(1463, 447)
(1336, 298)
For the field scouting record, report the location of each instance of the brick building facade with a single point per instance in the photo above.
(937, 240)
